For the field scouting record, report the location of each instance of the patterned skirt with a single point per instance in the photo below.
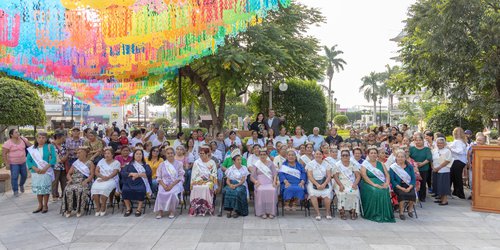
(236, 199)
(41, 184)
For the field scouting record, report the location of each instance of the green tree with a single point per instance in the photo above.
(302, 104)
(340, 120)
(20, 105)
(164, 123)
(443, 118)
(452, 49)
(371, 90)
(334, 63)
(251, 57)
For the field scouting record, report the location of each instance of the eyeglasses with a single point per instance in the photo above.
(345, 155)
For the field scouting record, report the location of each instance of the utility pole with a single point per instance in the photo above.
(179, 106)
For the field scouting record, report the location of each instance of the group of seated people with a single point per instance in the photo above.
(307, 172)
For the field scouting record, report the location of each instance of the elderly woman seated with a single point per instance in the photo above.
(403, 182)
(346, 175)
(107, 180)
(319, 186)
(235, 198)
(136, 178)
(292, 178)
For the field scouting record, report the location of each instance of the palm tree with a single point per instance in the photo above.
(385, 89)
(334, 64)
(371, 91)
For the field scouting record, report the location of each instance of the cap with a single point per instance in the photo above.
(468, 132)
(235, 153)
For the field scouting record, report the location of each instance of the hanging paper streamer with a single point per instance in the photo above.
(113, 52)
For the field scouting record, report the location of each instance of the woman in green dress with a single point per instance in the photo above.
(375, 196)
(422, 156)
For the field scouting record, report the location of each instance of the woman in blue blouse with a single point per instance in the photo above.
(292, 178)
(403, 183)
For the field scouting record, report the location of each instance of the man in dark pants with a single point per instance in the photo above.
(72, 145)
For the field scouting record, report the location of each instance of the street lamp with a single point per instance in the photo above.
(380, 111)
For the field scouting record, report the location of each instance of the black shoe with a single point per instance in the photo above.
(402, 217)
(128, 213)
(443, 204)
(462, 197)
(437, 201)
(410, 214)
(470, 198)
(37, 211)
(137, 213)
(422, 200)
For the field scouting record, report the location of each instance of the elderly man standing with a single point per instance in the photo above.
(316, 138)
(334, 138)
(72, 144)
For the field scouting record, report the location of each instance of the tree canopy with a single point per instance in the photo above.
(20, 104)
(340, 120)
(452, 49)
(302, 104)
(277, 46)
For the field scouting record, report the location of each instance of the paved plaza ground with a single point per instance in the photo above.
(451, 227)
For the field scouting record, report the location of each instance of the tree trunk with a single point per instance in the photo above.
(2, 133)
(375, 112)
(497, 83)
(330, 100)
(191, 115)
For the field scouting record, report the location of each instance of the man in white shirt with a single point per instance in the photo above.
(316, 138)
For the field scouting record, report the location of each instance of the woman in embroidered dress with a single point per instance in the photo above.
(375, 196)
(347, 177)
(80, 176)
(170, 177)
(403, 183)
(107, 180)
(265, 181)
(41, 160)
(235, 197)
(203, 178)
(319, 183)
(292, 178)
(136, 178)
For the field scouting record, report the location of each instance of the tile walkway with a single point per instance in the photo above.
(451, 227)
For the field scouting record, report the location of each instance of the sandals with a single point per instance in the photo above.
(128, 213)
(264, 216)
(271, 216)
(328, 217)
(229, 215)
(171, 216)
(342, 215)
(137, 213)
(443, 204)
(353, 215)
(158, 217)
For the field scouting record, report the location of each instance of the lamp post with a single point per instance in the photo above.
(380, 111)
(72, 118)
(179, 108)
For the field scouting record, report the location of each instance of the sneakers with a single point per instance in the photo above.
(21, 188)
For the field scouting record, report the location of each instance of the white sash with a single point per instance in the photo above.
(379, 174)
(234, 174)
(291, 171)
(84, 169)
(204, 171)
(140, 169)
(40, 163)
(401, 173)
(170, 170)
(305, 159)
(264, 169)
(331, 161)
(346, 172)
(103, 165)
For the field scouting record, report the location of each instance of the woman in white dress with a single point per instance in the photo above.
(299, 138)
(346, 175)
(107, 179)
(319, 176)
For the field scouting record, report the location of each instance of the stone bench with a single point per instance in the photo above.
(5, 183)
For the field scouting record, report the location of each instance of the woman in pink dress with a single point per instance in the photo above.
(170, 177)
(264, 177)
(203, 178)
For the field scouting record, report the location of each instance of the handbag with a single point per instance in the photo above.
(320, 182)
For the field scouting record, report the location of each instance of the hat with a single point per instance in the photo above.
(235, 153)
(75, 128)
(468, 132)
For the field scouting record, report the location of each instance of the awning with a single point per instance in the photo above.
(60, 119)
